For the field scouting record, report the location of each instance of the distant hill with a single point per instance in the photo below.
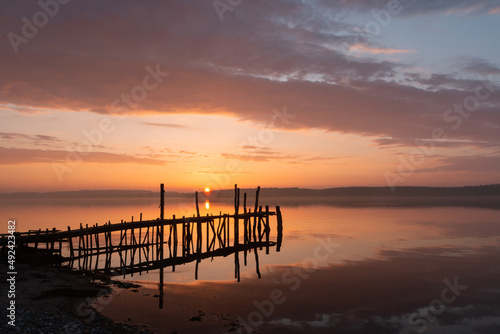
(468, 191)
(91, 194)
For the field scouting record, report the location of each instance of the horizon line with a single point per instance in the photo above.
(229, 189)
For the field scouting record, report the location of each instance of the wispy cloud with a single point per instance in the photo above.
(167, 125)
(17, 156)
(466, 164)
(266, 154)
(35, 139)
(477, 65)
(493, 11)
(414, 8)
(360, 48)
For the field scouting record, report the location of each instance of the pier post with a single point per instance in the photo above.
(47, 239)
(236, 213)
(245, 220)
(267, 229)
(198, 225)
(245, 228)
(70, 241)
(255, 208)
(162, 217)
(280, 229)
(162, 201)
(53, 240)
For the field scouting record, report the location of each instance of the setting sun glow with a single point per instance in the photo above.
(207, 189)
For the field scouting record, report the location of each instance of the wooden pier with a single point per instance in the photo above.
(151, 244)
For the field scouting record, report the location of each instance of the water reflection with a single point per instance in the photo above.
(392, 262)
(396, 292)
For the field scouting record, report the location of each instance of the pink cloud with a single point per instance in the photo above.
(495, 10)
(375, 51)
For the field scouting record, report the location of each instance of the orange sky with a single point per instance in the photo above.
(130, 96)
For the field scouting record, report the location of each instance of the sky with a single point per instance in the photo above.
(125, 94)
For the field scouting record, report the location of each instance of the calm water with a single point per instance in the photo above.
(342, 268)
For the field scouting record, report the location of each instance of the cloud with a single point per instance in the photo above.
(393, 142)
(259, 157)
(375, 51)
(476, 65)
(167, 125)
(477, 164)
(396, 142)
(35, 139)
(495, 10)
(17, 156)
(25, 110)
(215, 172)
(266, 154)
(420, 7)
(167, 153)
(295, 57)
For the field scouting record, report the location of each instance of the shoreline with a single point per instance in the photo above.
(55, 299)
(50, 298)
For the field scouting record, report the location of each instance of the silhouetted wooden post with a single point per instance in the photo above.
(106, 247)
(198, 224)
(280, 229)
(236, 210)
(70, 240)
(162, 216)
(236, 232)
(246, 221)
(53, 239)
(121, 234)
(162, 201)
(196, 201)
(228, 225)
(175, 243)
(80, 242)
(267, 229)
(97, 241)
(109, 236)
(184, 236)
(259, 227)
(209, 222)
(256, 207)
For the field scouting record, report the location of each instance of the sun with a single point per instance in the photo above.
(207, 189)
